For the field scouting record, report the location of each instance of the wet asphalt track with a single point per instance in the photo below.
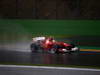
(17, 57)
(18, 52)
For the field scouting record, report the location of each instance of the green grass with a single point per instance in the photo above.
(53, 27)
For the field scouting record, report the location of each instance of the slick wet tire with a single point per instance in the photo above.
(52, 51)
(55, 49)
(34, 48)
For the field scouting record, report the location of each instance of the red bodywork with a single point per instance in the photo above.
(47, 45)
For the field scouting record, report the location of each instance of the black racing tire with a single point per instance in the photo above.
(55, 49)
(34, 48)
(77, 52)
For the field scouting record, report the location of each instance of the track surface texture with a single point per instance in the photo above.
(17, 57)
(35, 70)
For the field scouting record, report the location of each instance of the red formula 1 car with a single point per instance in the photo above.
(52, 46)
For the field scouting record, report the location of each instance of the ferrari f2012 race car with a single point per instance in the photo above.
(48, 44)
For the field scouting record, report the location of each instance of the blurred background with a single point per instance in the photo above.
(50, 9)
(76, 21)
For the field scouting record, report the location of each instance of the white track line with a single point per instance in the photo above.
(45, 67)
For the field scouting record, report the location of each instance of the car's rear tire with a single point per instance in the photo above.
(34, 47)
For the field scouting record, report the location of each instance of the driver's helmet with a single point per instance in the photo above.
(50, 38)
